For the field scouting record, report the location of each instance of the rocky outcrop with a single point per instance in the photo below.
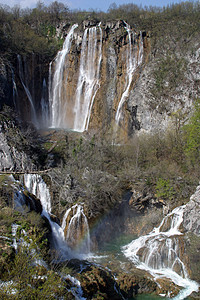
(18, 150)
(191, 220)
(10, 158)
(7, 87)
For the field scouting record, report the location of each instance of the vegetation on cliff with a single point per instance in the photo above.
(35, 30)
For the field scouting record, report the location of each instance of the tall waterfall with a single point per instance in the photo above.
(56, 82)
(134, 57)
(73, 111)
(88, 81)
(23, 78)
(159, 253)
(76, 228)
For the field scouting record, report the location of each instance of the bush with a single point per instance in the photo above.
(164, 190)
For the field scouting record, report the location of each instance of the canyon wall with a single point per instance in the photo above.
(108, 77)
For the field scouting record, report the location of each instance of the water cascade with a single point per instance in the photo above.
(159, 253)
(88, 80)
(14, 88)
(35, 184)
(44, 105)
(76, 229)
(23, 77)
(72, 111)
(56, 82)
(134, 57)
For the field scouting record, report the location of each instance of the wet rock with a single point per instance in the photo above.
(133, 284)
(97, 283)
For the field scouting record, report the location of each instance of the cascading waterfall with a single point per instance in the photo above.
(44, 105)
(23, 77)
(76, 228)
(133, 61)
(35, 184)
(88, 81)
(159, 253)
(56, 82)
(73, 112)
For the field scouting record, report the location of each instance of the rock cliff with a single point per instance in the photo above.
(108, 76)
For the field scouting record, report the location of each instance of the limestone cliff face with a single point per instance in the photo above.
(11, 159)
(102, 65)
(143, 98)
(107, 76)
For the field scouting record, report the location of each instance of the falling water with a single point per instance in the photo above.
(134, 58)
(77, 228)
(73, 112)
(159, 253)
(44, 105)
(23, 78)
(15, 93)
(88, 81)
(77, 234)
(56, 82)
(35, 184)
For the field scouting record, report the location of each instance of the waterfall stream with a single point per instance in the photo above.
(134, 59)
(23, 77)
(159, 253)
(35, 184)
(65, 244)
(44, 105)
(88, 81)
(55, 92)
(77, 233)
(73, 112)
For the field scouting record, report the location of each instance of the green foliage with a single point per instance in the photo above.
(192, 136)
(164, 190)
(168, 74)
(29, 281)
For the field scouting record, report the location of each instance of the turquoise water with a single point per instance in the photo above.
(151, 297)
(147, 297)
(110, 255)
(114, 245)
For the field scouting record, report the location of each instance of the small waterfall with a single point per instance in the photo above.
(56, 82)
(76, 229)
(77, 233)
(134, 59)
(15, 92)
(44, 105)
(35, 184)
(88, 81)
(159, 253)
(23, 77)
